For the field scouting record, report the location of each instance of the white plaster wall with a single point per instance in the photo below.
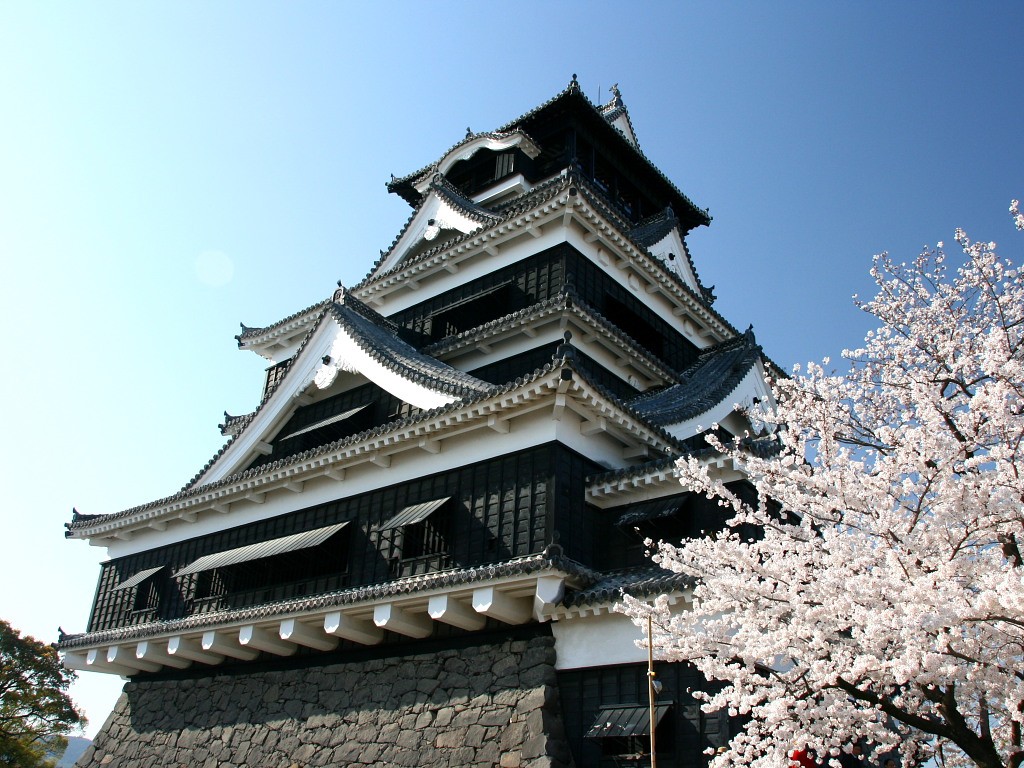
(594, 641)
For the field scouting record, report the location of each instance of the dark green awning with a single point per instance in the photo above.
(651, 510)
(623, 720)
(262, 549)
(416, 513)
(138, 578)
(325, 422)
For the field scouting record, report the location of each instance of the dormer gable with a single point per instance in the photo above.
(496, 143)
(725, 382)
(443, 215)
(412, 187)
(664, 239)
(349, 337)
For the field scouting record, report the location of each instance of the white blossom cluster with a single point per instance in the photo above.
(876, 593)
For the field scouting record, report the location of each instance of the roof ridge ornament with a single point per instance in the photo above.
(554, 549)
(616, 96)
(339, 294)
(574, 85)
(566, 352)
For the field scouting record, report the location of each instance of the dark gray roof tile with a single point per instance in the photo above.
(711, 378)
(250, 332)
(567, 299)
(382, 344)
(637, 582)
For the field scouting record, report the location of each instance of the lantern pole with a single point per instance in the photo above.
(650, 687)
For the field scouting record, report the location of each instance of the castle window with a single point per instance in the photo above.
(147, 590)
(628, 320)
(471, 312)
(669, 519)
(504, 164)
(624, 732)
(418, 536)
(303, 563)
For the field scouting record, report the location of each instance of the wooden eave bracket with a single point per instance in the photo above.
(513, 601)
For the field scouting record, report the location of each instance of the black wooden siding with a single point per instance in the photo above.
(683, 734)
(499, 509)
(535, 279)
(381, 407)
(623, 545)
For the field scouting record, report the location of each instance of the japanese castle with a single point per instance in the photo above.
(408, 552)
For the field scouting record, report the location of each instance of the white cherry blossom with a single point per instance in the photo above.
(876, 593)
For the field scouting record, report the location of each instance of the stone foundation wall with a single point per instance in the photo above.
(485, 705)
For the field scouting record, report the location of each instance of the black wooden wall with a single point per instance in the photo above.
(684, 733)
(501, 508)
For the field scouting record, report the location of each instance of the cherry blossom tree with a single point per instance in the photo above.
(881, 598)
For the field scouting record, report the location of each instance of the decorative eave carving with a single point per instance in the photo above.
(495, 142)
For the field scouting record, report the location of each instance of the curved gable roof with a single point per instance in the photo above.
(716, 373)
(347, 336)
(378, 340)
(495, 141)
(603, 121)
(443, 209)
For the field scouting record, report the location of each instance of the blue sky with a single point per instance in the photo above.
(167, 171)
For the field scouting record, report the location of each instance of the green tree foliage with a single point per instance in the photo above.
(35, 709)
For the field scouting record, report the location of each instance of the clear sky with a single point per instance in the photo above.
(169, 170)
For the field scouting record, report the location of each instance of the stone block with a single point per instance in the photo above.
(444, 717)
(451, 738)
(475, 735)
(535, 746)
(513, 737)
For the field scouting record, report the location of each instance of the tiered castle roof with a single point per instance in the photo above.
(540, 294)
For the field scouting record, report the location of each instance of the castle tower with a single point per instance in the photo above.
(408, 552)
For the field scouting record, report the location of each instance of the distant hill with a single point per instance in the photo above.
(76, 746)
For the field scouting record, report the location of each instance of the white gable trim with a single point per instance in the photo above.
(278, 409)
(672, 243)
(751, 387)
(434, 215)
(621, 124)
(347, 355)
(330, 340)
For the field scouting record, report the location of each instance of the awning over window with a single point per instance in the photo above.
(325, 422)
(138, 578)
(417, 513)
(651, 510)
(262, 549)
(479, 295)
(623, 720)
